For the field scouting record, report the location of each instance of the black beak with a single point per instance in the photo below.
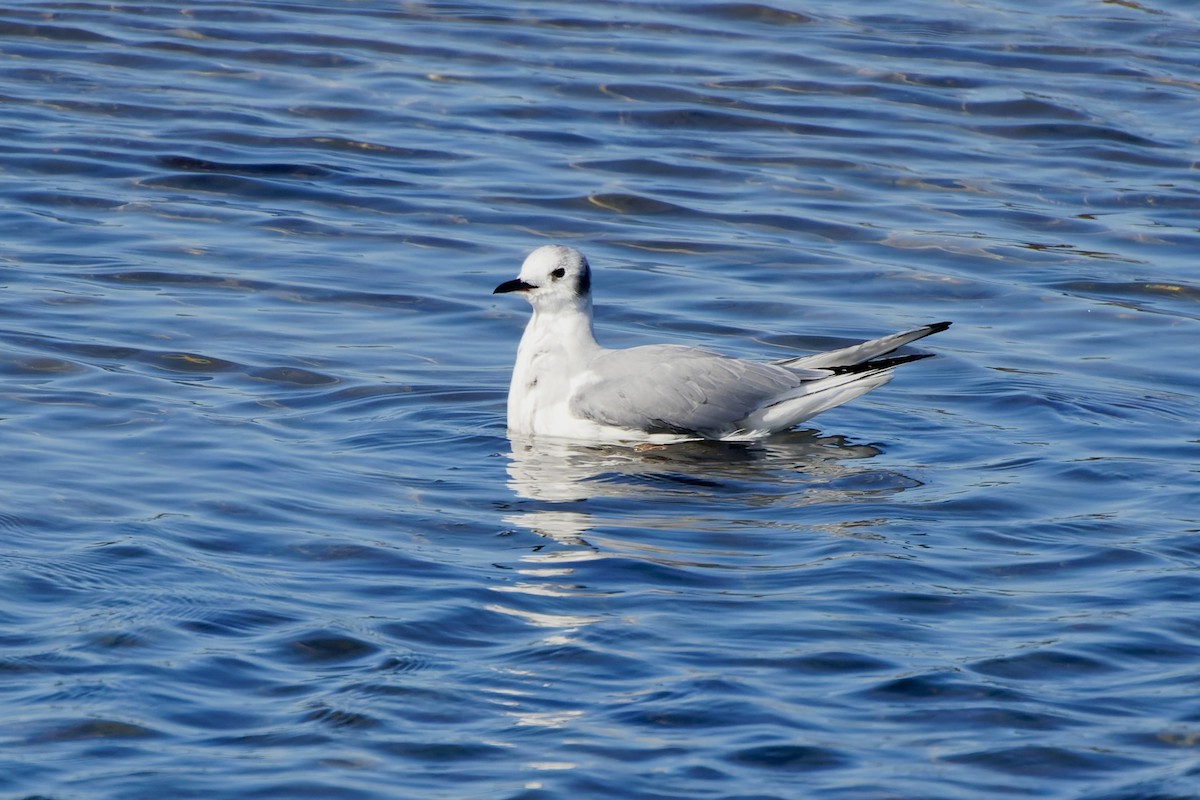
(515, 285)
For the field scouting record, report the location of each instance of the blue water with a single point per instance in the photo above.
(262, 534)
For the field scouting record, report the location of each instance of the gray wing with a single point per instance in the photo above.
(677, 389)
(861, 353)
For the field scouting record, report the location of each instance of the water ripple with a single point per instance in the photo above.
(264, 534)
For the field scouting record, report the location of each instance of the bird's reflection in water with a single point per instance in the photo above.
(796, 468)
(608, 515)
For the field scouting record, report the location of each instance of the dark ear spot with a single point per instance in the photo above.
(558, 273)
(584, 287)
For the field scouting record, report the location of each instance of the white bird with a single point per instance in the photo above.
(565, 384)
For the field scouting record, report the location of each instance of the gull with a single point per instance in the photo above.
(566, 385)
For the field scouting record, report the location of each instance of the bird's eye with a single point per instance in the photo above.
(558, 273)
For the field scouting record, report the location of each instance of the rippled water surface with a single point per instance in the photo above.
(262, 533)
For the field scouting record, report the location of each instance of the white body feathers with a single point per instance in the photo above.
(564, 384)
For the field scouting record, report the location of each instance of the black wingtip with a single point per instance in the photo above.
(878, 364)
(895, 361)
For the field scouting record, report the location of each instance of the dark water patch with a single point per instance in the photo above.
(1176, 585)
(693, 119)
(918, 27)
(1146, 647)
(662, 714)
(42, 366)
(428, 754)
(156, 278)
(279, 741)
(813, 226)
(324, 647)
(236, 141)
(1043, 665)
(245, 672)
(653, 167)
(298, 226)
(238, 622)
(633, 204)
(414, 702)
(1183, 546)
(1030, 106)
(790, 758)
(216, 721)
(843, 88)
(335, 718)
(276, 58)
(98, 729)
(869, 482)
(1068, 562)
(934, 689)
(247, 189)
(564, 138)
(66, 200)
(1067, 132)
(931, 605)
(1150, 789)
(1061, 59)
(1047, 762)
(358, 398)
(188, 363)
(98, 110)
(409, 662)
(1001, 719)
(292, 376)
(290, 293)
(1164, 297)
(831, 663)
(749, 12)
(41, 31)
(98, 568)
(96, 165)
(278, 170)
(1180, 199)
(455, 629)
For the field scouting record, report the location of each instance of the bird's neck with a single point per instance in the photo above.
(552, 348)
(562, 333)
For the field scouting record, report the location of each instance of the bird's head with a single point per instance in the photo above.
(553, 276)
